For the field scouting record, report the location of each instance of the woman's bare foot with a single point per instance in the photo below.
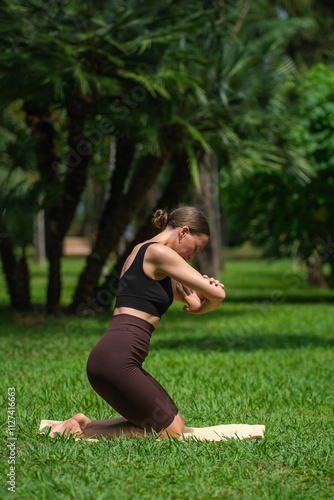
(74, 425)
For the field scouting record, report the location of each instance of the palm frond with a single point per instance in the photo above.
(193, 164)
(147, 81)
(194, 133)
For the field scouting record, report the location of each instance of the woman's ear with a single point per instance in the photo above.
(184, 230)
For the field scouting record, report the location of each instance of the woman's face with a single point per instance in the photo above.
(189, 244)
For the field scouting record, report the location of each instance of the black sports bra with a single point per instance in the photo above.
(139, 291)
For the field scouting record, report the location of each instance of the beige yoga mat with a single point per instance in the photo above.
(213, 433)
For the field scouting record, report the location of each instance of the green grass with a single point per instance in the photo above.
(265, 357)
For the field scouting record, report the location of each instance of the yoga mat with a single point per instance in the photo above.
(223, 432)
(213, 433)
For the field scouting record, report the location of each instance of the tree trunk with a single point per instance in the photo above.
(41, 125)
(330, 280)
(77, 165)
(123, 161)
(174, 193)
(114, 222)
(22, 287)
(16, 273)
(208, 261)
(42, 128)
(314, 272)
(9, 265)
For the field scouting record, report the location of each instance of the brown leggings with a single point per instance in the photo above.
(115, 372)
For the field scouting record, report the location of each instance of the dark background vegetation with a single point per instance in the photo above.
(110, 110)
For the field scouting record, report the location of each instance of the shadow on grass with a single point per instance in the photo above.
(189, 335)
(282, 299)
(243, 343)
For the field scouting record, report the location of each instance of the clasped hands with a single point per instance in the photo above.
(195, 299)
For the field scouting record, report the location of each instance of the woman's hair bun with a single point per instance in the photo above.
(160, 219)
(185, 215)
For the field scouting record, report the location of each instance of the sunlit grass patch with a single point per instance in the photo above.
(257, 362)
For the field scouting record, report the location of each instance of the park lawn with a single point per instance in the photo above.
(265, 357)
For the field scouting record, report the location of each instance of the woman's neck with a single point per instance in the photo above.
(168, 237)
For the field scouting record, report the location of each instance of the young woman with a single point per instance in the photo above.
(155, 273)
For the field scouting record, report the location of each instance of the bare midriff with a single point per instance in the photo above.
(154, 320)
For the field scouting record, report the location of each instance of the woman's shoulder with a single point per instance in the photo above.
(159, 252)
(146, 246)
(136, 248)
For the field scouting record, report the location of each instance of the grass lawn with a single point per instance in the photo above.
(265, 357)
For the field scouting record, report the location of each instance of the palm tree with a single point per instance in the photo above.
(238, 120)
(19, 200)
(156, 79)
(78, 60)
(215, 107)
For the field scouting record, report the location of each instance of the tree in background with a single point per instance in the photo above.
(315, 44)
(90, 61)
(224, 97)
(191, 81)
(244, 121)
(19, 192)
(290, 216)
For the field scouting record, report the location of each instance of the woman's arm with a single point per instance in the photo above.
(167, 261)
(196, 302)
(187, 296)
(178, 295)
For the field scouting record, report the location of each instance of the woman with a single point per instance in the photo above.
(155, 273)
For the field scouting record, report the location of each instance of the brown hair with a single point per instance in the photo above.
(182, 216)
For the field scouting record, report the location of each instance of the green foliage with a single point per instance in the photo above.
(315, 106)
(315, 44)
(268, 362)
(16, 144)
(224, 87)
(243, 104)
(81, 49)
(19, 187)
(292, 216)
(219, 71)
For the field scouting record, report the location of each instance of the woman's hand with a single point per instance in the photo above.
(193, 299)
(213, 281)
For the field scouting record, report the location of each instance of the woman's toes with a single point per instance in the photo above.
(56, 427)
(70, 426)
